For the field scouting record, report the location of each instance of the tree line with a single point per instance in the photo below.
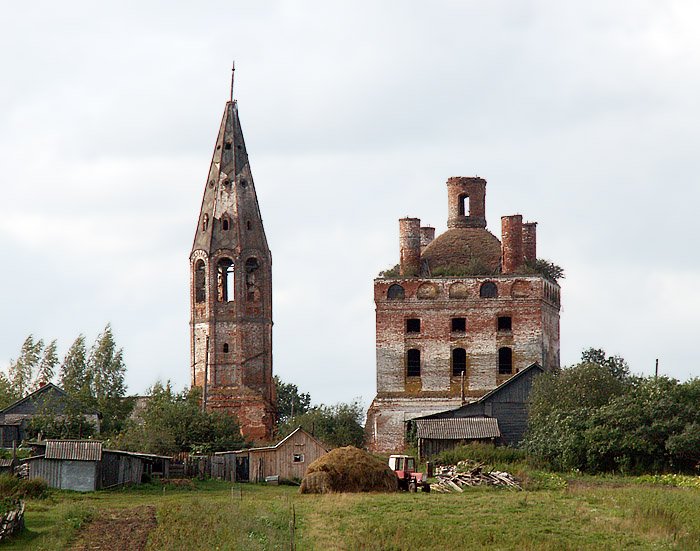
(596, 416)
(167, 421)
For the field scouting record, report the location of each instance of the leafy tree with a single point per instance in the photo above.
(73, 376)
(47, 365)
(290, 401)
(336, 425)
(21, 371)
(594, 416)
(105, 370)
(616, 365)
(7, 393)
(173, 422)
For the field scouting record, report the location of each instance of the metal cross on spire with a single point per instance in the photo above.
(233, 74)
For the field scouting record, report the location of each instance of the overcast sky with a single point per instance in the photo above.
(582, 116)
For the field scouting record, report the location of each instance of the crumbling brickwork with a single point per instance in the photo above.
(231, 291)
(464, 315)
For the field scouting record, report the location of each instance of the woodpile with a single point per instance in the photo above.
(453, 478)
(12, 521)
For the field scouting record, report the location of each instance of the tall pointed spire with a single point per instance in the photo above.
(233, 76)
(231, 288)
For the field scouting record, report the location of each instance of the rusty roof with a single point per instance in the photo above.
(74, 450)
(464, 428)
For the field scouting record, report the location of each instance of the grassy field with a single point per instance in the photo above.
(578, 514)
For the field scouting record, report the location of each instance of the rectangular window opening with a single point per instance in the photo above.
(413, 325)
(459, 325)
(298, 458)
(505, 323)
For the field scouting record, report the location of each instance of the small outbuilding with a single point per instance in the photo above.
(84, 466)
(436, 435)
(287, 460)
(500, 415)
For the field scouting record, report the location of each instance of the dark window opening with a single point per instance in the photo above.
(225, 348)
(228, 145)
(244, 183)
(459, 325)
(413, 325)
(224, 224)
(395, 292)
(200, 279)
(251, 264)
(298, 458)
(248, 225)
(488, 290)
(505, 361)
(218, 147)
(239, 146)
(225, 280)
(459, 362)
(413, 363)
(505, 323)
(464, 205)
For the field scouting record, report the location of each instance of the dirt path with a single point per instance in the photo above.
(122, 529)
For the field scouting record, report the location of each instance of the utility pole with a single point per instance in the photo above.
(656, 371)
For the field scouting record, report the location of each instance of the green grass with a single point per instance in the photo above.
(576, 513)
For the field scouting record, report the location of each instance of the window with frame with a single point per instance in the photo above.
(459, 325)
(298, 458)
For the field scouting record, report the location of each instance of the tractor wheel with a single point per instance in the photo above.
(412, 487)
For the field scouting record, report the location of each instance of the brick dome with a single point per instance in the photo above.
(461, 251)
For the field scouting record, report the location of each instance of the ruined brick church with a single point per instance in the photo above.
(464, 314)
(231, 290)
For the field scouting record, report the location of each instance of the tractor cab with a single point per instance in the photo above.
(405, 468)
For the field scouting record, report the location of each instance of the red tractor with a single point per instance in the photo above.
(405, 468)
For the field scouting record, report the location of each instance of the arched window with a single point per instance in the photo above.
(225, 348)
(251, 264)
(459, 362)
(224, 223)
(225, 280)
(464, 205)
(488, 290)
(200, 281)
(396, 292)
(252, 288)
(413, 363)
(205, 222)
(505, 360)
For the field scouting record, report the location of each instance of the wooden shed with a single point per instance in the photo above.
(288, 459)
(436, 435)
(507, 404)
(83, 466)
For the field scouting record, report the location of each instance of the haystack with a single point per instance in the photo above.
(348, 469)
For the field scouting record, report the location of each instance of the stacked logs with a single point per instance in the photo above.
(453, 478)
(12, 521)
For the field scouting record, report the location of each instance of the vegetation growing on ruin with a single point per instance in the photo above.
(547, 269)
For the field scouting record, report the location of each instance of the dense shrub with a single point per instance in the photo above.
(12, 487)
(595, 417)
(484, 453)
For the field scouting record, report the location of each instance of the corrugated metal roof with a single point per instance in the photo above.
(74, 450)
(464, 428)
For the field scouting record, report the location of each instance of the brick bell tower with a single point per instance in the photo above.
(231, 290)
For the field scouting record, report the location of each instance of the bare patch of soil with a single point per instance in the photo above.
(122, 529)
